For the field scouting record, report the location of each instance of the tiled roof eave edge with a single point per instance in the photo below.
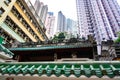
(78, 62)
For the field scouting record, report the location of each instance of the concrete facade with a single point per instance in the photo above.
(99, 18)
(49, 24)
(17, 23)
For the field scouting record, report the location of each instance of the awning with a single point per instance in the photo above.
(88, 69)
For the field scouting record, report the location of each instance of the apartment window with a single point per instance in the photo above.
(1, 11)
(7, 2)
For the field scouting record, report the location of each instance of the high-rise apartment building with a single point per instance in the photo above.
(71, 26)
(101, 18)
(37, 6)
(36, 11)
(41, 10)
(17, 22)
(43, 14)
(61, 22)
(49, 24)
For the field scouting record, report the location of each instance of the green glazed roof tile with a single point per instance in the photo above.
(1, 40)
(110, 69)
(17, 69)
(7, 51)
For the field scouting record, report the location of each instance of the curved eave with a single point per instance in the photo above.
(78, 69)
(6, 51)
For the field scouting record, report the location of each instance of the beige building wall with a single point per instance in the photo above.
(17, 23)
(7, 8)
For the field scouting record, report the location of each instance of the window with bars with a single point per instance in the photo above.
(7, 2)
(1, 11)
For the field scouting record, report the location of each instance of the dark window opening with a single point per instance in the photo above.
(7, 2)
(1, 11)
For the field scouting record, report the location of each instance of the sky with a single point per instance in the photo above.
(118, 1)
(67, 7)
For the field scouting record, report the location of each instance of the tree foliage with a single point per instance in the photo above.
(118, 39)
(59, 38)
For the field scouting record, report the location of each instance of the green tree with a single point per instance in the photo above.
(61, 37)
(55, 39)
(118, 39)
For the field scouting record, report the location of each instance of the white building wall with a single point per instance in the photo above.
(49, 24)
(82, 19)
(104, 15)
(105, 20)
(101, 9)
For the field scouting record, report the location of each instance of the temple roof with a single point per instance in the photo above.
(1, 40)
(86, 68)
(50, 47)
(6, 51)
